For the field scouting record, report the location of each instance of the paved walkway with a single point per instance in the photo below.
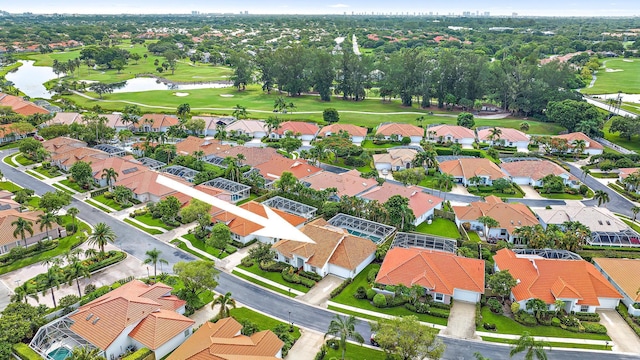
(233, 260)
(624, 339)
(603, 343)
(462, 321)
(319, 294)
(377, 314)
(269, 282)
(307, 345)
(459, 189)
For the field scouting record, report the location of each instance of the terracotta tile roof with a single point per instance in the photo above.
(65, 118)
(144, 182)
(470, 167)
(193, 143)
(10, 215)
(55, 145)
(254, 156)
(124, 167)
(334, 129)
(550, 279)
(571, 137)
(437, 271)
(259, 209)
(419, 201)
(508, 134)
(244, 227)
(114, 120)
(349, 183)
(157, 121)
(19, 128)
(297, 127)
(247, 126)
(624, 272)
(74, 155)
(21, 106)
(625, 172)
(455, 131)
(396, 157)
(273, 168)
(399, 129)
(333, 245)
(534, 169)
(211, 122)
(222, 341)
(130, 305)
(510, 216)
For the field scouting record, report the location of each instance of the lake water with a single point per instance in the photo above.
(29, 79)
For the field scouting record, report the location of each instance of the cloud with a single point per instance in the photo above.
(339, 6)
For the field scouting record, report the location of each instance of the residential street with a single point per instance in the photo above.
(136, 242)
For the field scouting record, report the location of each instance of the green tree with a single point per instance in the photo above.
(22, 227)
(626, 126)
(524, 126)
(226, 303)
(153, 257)
(51, 280)
(330, 115)
(405, 338)
(191, 212)
(46, 221)
(494, 135)
(601, 196)
(343, 328)
(488, 223)
(290, 144)
(400, 214)
(240, 112)
(183, 111)
(54, 201)
(168, 209)
(85, 352)
(570, 113)
(286, 182)
(501, 184)
(444, 180)
(81, 173)
(111, 175)
(501, 283)
(29, 146)
(262, 252)
(122, 195)
(101, 236)
(220, 236)
(536, 306)
(530, 346)
(465, 119)
(635, 210)
(73, 212)
(24, 292)
(197, 276)
(75, 270)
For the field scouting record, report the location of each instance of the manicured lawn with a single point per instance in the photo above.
(98, 205)
(430, 182)
(200, 245)
(273, 276)
(489, 190)
(356, 352)
(473, 236)
(368, 144)
(632, 224)
(550, 344)
(14, 144)
(35, 175)
(262, 284)
(340, 163)
(563, 196)
(34, 202)
(9, 186)
(149, 220)
(507, 325)
(251, 197)
(145, 229)
(633, 144)
(22, 160)
(604, 175)
(72, 185)
(109, 202)
(263, 322)
(346, 298)
(63, 189)
(626, 79)
(64, 245)
(7, 160)
(50, 173)
(440, 227)
(205, 297)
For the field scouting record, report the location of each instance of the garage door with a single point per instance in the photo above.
(607, 303)
(465, 295)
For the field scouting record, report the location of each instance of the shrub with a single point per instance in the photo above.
(584, 189)
(570, 321)
(247, 262)
(322, 353)
(594, 328)
(371, 293)
(361, 293)
(248, 327)
(273, 266)
(585, 316)
(94, 294)
(488, 326)
(419, 307)
(479, 312)
(555, 322)
(115, 285)
(371, 275)
(439, 313)
(333, 344)
(440, 305)
(71, 228)
(68, 300)
(89, 288)
(495, 306)
(397, 300)
(24, 352)
(515, 307)
(310, 275)
(138, 355)
(379, 301)
(108, 195)
(335, 292)
(390, 288)
(525, 318)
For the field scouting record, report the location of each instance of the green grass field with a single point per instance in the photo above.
(149, 220)
(633, 144)
(143, 228)
(273, 276)
(263, 322)
(550, 344)
(50, 173)
(440, 227)
(72, 185)
(9, 186)
(109, 202)
(356, 352)
(22, 160)
(627, 80)
(98, 205)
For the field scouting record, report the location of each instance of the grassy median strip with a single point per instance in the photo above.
(62, 188)
(35, 175)
(262, 284)
(7, 160)
(145, 229)
(550, 344)
(97, 205)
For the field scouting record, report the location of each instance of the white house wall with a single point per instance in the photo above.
(357, 139)
(382, 166)
(170, 345)
(521, 180)
(120, 344)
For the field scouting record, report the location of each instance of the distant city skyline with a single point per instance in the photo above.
(410, 7)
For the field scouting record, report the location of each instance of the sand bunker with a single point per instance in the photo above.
(181, 94)
(227, 95)
(613, 70)
(627, 60)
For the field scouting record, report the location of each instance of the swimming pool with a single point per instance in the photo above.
(60, 353)
(363, 235)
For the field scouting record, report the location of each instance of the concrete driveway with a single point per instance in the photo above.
(624, 339)
(530, 192)
(462, 321)
(307, 346)
(319, 294)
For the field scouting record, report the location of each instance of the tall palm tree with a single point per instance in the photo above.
(344, 327)
(221, 132)
(635, 210)
(73, 211)
(494, 135)
(23, 292)
(528, 344)
(444, 180)
(101, 236)
(51, 280)
(585, 172)
(89, 253)
(579, 146)
(111, 175)
(22, 226)
(226, 302)
(86, 353)
(602, 197)
(46, 220)
(240, 112)
(76, 271)
(488, 223)
(183, 110)
(232, 172)
(153, 257)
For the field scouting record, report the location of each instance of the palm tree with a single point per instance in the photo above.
(232, 172)
(86, 353)
(272, 123)
(344, 327)
(532, 347)
(456, 149)
(153, 257)
(183, 110)
(635, 210)
(102, 235)
(494, 135)
(585, 172)
(51, 280)
(524, 126)
(111, 175)
(77, 270)
(22, 292)
(23, 226)
(240, 112)
(89, 253)
(579, 146)
(419, 120)
(488, 223)
(46, 220)
(221, 132)
(225, 301)
(602, 197)
(73, 211)
(444, 180)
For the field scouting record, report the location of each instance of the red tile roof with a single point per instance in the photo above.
(254, 156)
(455, 131)
(534, 169)
(399, 129)
(437, 271)
(274, 168)
(349, 183)
(571, 137)
(510, 216)
(193, 143)
(551, 279)
(625, 172)
(297, 127)
(21, 106)
(470, 167)
(508, 134)
(419, 201)
(334, 129)
(157, 121)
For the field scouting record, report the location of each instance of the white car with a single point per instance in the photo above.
(385, 172)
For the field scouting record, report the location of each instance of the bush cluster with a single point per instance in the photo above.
(273, 266)
(311, 275)
(380, 301)
(20, 252)
(585, 316)
(335, 292)
(138, 355)
(247, 262)
(525, 318)
(290, 276)
(361, 293)
(633, 321)
(491, 327)
(594, 328)
(494, 305)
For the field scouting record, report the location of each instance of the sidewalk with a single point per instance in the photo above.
(377, 314)
(548, 339)
(269, 282)
(205, 254)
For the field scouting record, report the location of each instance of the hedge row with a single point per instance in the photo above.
(296, 279)
(335, 292)
(585, 316)
(24, 352)
(8, 259)
(310, 275)
(138, 355)
(624, 312)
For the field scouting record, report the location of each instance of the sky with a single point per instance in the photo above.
(495, 7)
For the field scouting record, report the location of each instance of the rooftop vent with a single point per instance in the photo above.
(608, 223)
(413, 193)
(89, 316)
(96, 320)
(600, 222)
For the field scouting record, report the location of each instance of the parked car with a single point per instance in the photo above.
(372, 340)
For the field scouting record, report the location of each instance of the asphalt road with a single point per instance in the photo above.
(618, 203)
(136, 243)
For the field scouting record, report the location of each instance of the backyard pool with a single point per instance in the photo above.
(60, 353)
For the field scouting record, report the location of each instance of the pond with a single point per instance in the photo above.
(30, 79)
(150, 84)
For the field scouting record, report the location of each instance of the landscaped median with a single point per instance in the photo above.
(202, 246)
(278, 273)
(139, 226)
